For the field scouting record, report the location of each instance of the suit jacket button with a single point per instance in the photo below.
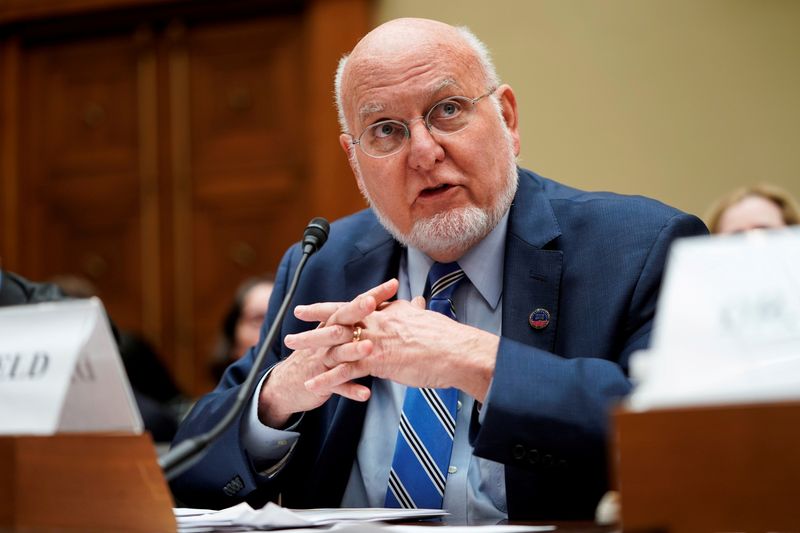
(547, 460)
(518, 452)
(533, 456)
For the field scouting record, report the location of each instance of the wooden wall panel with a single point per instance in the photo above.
(334, 193)
(9, 146)
(81, 192)
(151, 282)
(247, 177)
(247, 116)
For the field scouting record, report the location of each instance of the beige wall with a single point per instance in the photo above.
(680, 100)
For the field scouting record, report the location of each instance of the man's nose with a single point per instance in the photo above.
(424, 150)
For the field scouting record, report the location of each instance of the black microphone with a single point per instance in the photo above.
(315, 235)
(187, 452)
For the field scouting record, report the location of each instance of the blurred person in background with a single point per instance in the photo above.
(761, 206)
(242, 322)
(16, 290)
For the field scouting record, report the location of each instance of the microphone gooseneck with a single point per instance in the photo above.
(185, 453)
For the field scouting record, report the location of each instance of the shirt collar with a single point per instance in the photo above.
(483, 265)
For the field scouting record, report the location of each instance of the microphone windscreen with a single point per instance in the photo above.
(316, 233)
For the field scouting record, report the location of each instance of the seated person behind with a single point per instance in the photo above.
(242, 322)
(761, 206)
(16, 290)
(504, 408)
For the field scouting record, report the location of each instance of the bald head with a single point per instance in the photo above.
(400, 37)
(409, 41)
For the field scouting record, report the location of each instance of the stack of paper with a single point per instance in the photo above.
(242, 517)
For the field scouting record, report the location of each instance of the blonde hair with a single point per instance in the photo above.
(790, 211)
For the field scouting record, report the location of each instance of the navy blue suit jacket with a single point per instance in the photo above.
(594, 260)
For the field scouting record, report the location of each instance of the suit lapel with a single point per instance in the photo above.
(375, 258)
(532, 275)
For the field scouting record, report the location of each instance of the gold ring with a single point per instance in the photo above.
(356, 333)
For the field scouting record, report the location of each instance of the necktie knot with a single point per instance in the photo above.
(443, 279)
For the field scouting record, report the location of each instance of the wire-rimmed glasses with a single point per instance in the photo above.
(445, 117)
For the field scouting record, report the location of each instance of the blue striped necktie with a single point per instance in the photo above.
(427, 424)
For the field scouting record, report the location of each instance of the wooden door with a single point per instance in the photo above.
(84, 184)
(241, 182)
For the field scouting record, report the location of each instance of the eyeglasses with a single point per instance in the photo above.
(446, 117)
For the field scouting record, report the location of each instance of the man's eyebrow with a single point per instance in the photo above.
(447, 82)
(370, 108)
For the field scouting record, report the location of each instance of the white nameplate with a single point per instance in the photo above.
(60, 371)
(728, 323)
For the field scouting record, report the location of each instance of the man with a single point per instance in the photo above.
(560, 289)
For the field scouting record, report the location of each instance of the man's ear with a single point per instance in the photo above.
(508, 105)
(347, 145)
(350, 150)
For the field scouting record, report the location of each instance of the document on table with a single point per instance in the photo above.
(242, 517)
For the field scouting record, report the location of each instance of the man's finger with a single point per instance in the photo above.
(326, 336)
(384, 291)
(319, 312)
(365, 303)
(335, 377)
(353, 391)
(347, 353)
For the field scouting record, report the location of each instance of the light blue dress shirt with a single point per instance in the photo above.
(475, 489)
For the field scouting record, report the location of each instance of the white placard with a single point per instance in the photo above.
(60, 371)
(728, 323)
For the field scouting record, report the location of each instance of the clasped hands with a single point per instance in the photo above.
(396, 340)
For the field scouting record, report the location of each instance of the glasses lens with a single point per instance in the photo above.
(450, 115)
(383, 138)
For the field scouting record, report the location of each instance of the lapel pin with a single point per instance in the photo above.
(539, 318)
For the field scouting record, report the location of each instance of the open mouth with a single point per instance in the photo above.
(433, 191)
